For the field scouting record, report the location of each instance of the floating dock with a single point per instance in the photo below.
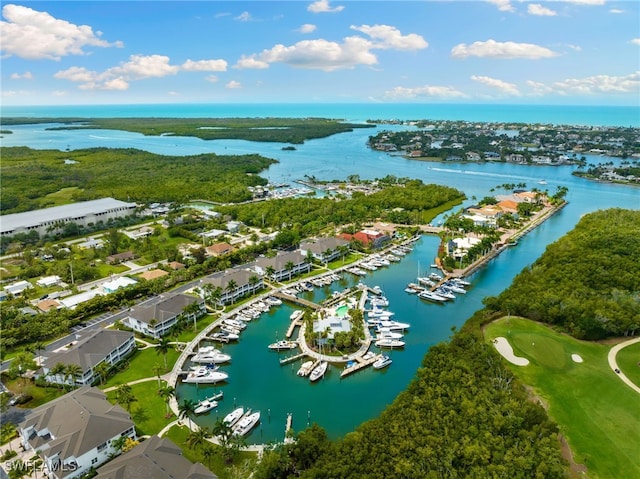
(291, 359)
(292, 327)
(361, 364)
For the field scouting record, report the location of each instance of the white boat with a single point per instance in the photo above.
(246, 424)
(230, 330)
(208, 404)
(542, 182)
(379, 313)
(379, 301)
(224, 336)
(382, 362)
(386, 333)
(377, 290)
(234, 323)
(426, 281)
(393, 325)
(305, 369)
(234, 416)
(283, 345)
(389, 343)
(318, 371)
(210, 356)
(297, 314)
(273, 301)
(460, 281)
(455, 288)
(435, 277)
(445, 293)
(205, 375)
(431, 296)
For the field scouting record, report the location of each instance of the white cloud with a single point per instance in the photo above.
(35, 35)
(586, 2)
(251, 61)
(429, 91)
(15, 93)
(322, 6)
(307, 28)
(138, 67)
(503, 5)
(391, 38)
(205, 66)
(504, 87)
(599, 84)
(212, 79)
(537, 9)
(23, 76)
(244, 17)
(616, 10)
(232, 85)
(539, 89)
(501, 50)
(635, 41)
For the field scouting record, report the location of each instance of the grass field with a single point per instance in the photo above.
(141, 365)
(61, 197)
(149, 409)
(597, 413)
(628, 360)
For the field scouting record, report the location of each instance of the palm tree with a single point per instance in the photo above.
(72, 372)
(102, 370)
(57, 372)
(163, 348)
(270, 271)
(187, 409)
(198, 438)
(289, 267)
(231, 286)
(208, 451)
(253, 282)
(166, 393)
(124, 395)
(157, 369)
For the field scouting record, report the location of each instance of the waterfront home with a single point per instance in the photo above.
(156, 319)
(157, 458)
(284, 265)
(323, 249)
(233, 284)
(99, 346)
(369, 238)
(458, 247)
(486, 215)
(75, 432)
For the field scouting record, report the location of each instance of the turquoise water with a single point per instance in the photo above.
(341, 311)
(256, 378)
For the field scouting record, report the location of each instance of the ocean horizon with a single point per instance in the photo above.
(578, 115)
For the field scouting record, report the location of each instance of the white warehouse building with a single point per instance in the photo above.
(81, 213)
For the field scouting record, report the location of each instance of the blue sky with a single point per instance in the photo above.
(495, 51)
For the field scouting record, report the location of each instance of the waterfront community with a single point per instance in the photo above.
(198, 280)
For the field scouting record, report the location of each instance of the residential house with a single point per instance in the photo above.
(120, 257)
(488, 214)
(219, 249)
(175, 265)
(75, 432)
(323, 249)
(157, 458)
(233, 283)
(48, 304)
(369, 238)
(72, 301)
(156, 319)
(153, 274)
(17, 288)
(458, 247)
(528, 196)
(234, 226)
(108, 346)
(117, 283)
(280, 263)
(49, 281)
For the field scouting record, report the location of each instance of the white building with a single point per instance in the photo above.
(48, 219)
(156, 319)
(120, 282)
(18, 287)
(295, 259)
(233, 284)
(48, 281)
(75, 432)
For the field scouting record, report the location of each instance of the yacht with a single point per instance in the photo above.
(431, 296)
(386, 333)
(382, 362)
(246, 423)
(234, 416)
(208, 404)
(379, 301)
(393, 325)
(205, 375)
(379, 313)
(273, 301)
(235, 323)
(318, 371)
(389, 343)
(210, 355)
(283, 345)
(445, 293)
(305, 369)
(297, 314)
(224, 336)
(455, 288)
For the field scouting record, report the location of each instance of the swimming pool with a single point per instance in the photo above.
(341, 311)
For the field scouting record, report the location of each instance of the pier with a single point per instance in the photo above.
(295, 299)
(292, 327)
(361, 364)
(291, 359)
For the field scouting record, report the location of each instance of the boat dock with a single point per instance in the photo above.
(292, 327)
(287, 428)
(221, 340)
(291, 359)
(360, 364)
(295, 299)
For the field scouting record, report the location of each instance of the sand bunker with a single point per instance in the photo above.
(576, 358)
(504, 348)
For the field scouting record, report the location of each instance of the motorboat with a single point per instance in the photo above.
(382, 362)
(386, 333)
(393, 325)
(431, 296)
(389, 343)
(445, 293)
(224, 336)
(208, 404)
(234, 323)
(379, 313)
(297, 314)
(246, 423)
(435, 277)
(379, 301)
(377, 290)
(273, 301)
(210, 355)
(234, 416)
(460, 281)
(205, 375)
(305, 369)
(318, 371)
(283, 345)
(454, 288)
(426, 281)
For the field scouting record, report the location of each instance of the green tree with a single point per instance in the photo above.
(163, 347)
(166, 393)
(187, 409)
(124, 396)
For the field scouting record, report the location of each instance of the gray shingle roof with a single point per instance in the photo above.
(165, 309)
(156, 458)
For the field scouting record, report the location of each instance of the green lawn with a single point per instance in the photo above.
(628, 360)
(148, 410)
(141, 365)
(241, 467)
(188, 334)
(597, 413)
(62, 197)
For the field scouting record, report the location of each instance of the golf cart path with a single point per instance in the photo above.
(614, 365)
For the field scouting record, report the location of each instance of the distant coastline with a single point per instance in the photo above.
(589, 115)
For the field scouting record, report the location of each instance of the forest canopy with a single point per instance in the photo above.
(126, 174)
(588, 282)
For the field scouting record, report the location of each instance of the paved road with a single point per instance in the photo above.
(614, 365)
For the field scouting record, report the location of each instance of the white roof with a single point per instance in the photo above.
(18, 287)
(48, 281)
(56, 213)
(73, 301)
(120, 282)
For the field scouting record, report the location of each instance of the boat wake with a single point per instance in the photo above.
(483, 173)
